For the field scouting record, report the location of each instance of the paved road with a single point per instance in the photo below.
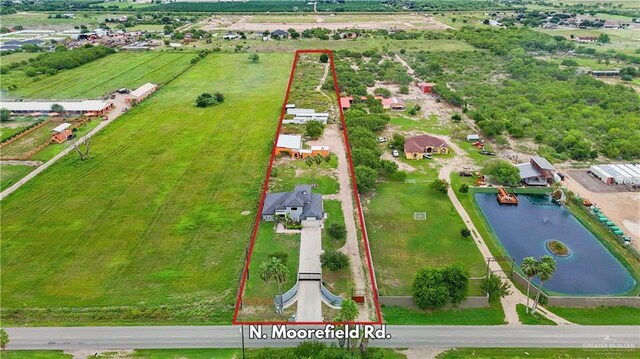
(309, 298)
(96, 338)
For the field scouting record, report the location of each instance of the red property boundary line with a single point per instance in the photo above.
(264, 193)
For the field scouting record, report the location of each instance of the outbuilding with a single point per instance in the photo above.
(426, 86)
(142, 92)
(61, 132)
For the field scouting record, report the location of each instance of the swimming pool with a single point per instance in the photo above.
(523, 230)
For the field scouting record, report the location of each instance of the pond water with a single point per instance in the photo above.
(590, 269)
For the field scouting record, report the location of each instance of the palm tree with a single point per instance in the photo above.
(529, 267)
(274, 270)
(545, 270)
(318, 159)
(348, 313)
(4, 339)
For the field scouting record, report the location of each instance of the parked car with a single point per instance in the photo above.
(382, 139)
(340, 126)
(466, 174)
(124, 91)
(112, 96)
(487, 153)
(561, 175)
(427, 156)
(395, 153)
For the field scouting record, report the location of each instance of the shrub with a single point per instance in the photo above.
(314, 129)
(334, 260)
(254, 58)
(464, 188)
(324, 58)
(337, 231)
(494, 287)
(435, 287)
(440, 185)
(503, 172)
(381, 91)
(456, 117)
(465, 232)
(204, 100)
(282, 256)
(404, 89)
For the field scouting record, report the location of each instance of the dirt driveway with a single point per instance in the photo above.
(623, 208)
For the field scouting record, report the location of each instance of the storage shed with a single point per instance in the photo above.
(61, 132)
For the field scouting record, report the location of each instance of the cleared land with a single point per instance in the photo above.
(332, 22)
(100, 77)
(154, 217)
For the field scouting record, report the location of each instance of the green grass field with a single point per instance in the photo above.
(540, 353)
(17, 57)
(472, 316)
(10, 174)
(400, 245)
(108, 74)
(154, 217)
(531, 319)
(6, 132)
(36, 354)
(600, 315)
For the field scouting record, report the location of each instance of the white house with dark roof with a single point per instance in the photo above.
(298, 205)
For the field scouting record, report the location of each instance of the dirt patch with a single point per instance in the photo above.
(245, 213)
(401, 165)
(422, 353)
(331, 22)
(623, 208)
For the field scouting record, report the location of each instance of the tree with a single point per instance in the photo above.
(5, 114)
(440, 185)
(314, 129)
(456, 117)
(494, 287)
(348, 311)
(334, 260)
(84, 153)
(381, 91)
(219, 96)
(545, 272)
(465, 232)
(428, 289)
(309, 161)
(397, 141)
(318, 159)
(365, 178)
(404, 89)
(456, 278)
(57, 108)
(337, 231)
(502, 172)
(324, 58)
(254, 58)
(204, 100)
(529, 267)
(604, 39)
(282, 256)
(4, 339)
(274, 271)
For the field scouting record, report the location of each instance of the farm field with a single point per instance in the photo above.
(10, 174)
(149, 230)
(40, 20)
(108, 74)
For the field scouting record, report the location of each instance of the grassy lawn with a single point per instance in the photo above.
(400, 245)
(149, 230)
(532, 319)
(17, 57)
(290, 172)
(496, 353)
(429, 125)
(472, 316)
(10, 174)
(53, 149)
(100, 77)
(268, 242)
(36, 354)
(333, 208)
(599, 315)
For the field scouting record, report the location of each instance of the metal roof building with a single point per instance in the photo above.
(77, 107)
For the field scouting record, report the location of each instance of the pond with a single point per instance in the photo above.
(523, 230)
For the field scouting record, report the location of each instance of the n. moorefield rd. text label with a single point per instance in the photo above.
(329, 331)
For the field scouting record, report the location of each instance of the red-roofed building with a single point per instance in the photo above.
(345, 102)
(425, 86)
(393, 103)
(416, 147)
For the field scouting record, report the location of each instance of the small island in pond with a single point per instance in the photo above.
(557, 248)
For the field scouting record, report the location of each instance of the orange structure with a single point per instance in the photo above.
(61, 132)
(292, 145)
(506, 198)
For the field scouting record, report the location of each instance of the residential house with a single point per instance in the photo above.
(281, 34)
(230, 36)
(292, 145)
(393, 103)
(298, 205)
(416, 147)
(585, 39)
